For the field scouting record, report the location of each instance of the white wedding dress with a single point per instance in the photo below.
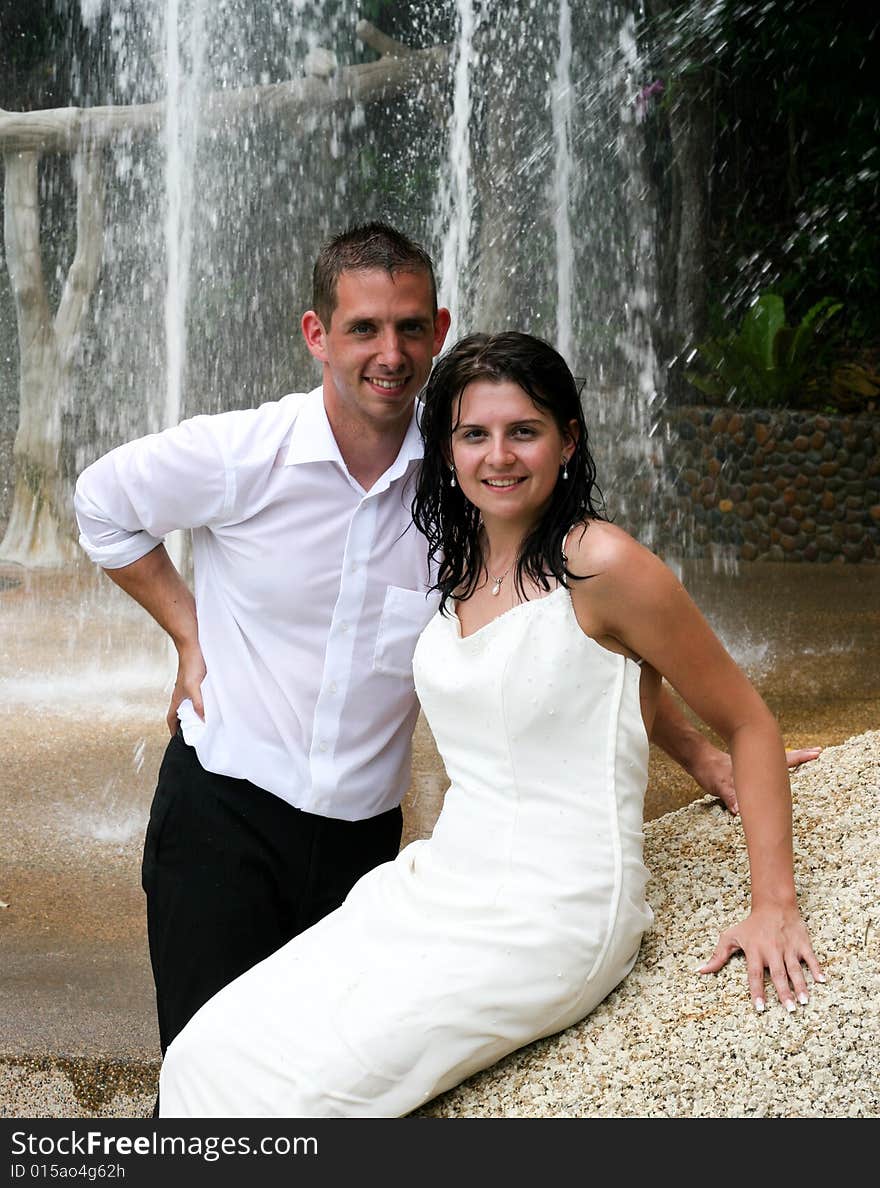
(524, 909)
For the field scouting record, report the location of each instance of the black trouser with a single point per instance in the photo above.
(232, 872)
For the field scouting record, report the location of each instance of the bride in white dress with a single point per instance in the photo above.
(539, 677)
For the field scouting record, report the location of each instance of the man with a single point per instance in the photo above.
(293, 710)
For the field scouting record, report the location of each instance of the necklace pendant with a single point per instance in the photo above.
(496, 585)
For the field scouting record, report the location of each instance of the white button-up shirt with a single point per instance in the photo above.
(310, 593)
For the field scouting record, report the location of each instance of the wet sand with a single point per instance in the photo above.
(83, 678)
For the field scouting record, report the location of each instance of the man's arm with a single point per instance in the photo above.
(154, 582)
(710, 767)
(129, 500)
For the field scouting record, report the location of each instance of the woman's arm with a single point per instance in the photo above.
(710, 767)
(632, 601)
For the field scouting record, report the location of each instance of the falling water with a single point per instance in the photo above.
(562, 117)
(181, 141)
(514, 163)
(637, 442)
(456, 185)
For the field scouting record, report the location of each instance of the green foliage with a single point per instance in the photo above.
(766, 362)
(794, 199)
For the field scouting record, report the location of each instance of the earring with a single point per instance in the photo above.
(452, 481)
(564, 467)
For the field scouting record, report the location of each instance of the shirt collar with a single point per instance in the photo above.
(312, 440)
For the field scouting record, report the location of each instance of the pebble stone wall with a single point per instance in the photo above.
(772, 485)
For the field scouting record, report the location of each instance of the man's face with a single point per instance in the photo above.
(379, 346)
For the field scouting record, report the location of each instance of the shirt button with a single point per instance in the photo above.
(355, 566)
(332, 686)
(322, 746)
(343, 627)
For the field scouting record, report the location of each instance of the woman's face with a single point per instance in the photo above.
(507, 451)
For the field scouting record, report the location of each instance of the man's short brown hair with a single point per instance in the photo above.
(363, 248)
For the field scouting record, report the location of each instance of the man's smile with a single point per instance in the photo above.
(388, 385)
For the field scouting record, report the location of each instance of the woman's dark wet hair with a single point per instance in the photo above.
(449, 521)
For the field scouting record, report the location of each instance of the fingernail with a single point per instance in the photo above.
(820, 977)
(790, 1005)
(759, 1005)
(803, 998)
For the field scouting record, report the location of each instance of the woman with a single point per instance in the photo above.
(539, 676)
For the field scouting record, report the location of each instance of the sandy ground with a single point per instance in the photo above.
(82, 698)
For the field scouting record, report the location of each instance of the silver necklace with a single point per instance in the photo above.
(496, 581)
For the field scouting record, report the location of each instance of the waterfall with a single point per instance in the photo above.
(181, 143)
(456, 189)
(184, 55)
(513, 154)
(562, 179)
(636, 341)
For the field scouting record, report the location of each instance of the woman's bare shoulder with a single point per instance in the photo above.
(597, 546)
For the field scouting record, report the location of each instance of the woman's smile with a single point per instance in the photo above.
(501, 484)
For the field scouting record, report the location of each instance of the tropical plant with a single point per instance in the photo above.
(766, 361)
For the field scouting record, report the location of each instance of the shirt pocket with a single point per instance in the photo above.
(405, 614)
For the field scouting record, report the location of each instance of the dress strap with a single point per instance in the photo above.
(564, 554)
(565, 539)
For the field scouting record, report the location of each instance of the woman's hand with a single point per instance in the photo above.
(712, 769)
(191, 671)
(775, 939)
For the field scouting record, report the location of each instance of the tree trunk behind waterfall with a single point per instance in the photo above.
(41, 529)
(40, 524)
(690, 126)
(512, 178)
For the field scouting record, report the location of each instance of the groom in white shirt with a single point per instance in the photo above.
(283, 782)
(293, 710)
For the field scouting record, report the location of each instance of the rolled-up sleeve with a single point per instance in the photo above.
(130, 499)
